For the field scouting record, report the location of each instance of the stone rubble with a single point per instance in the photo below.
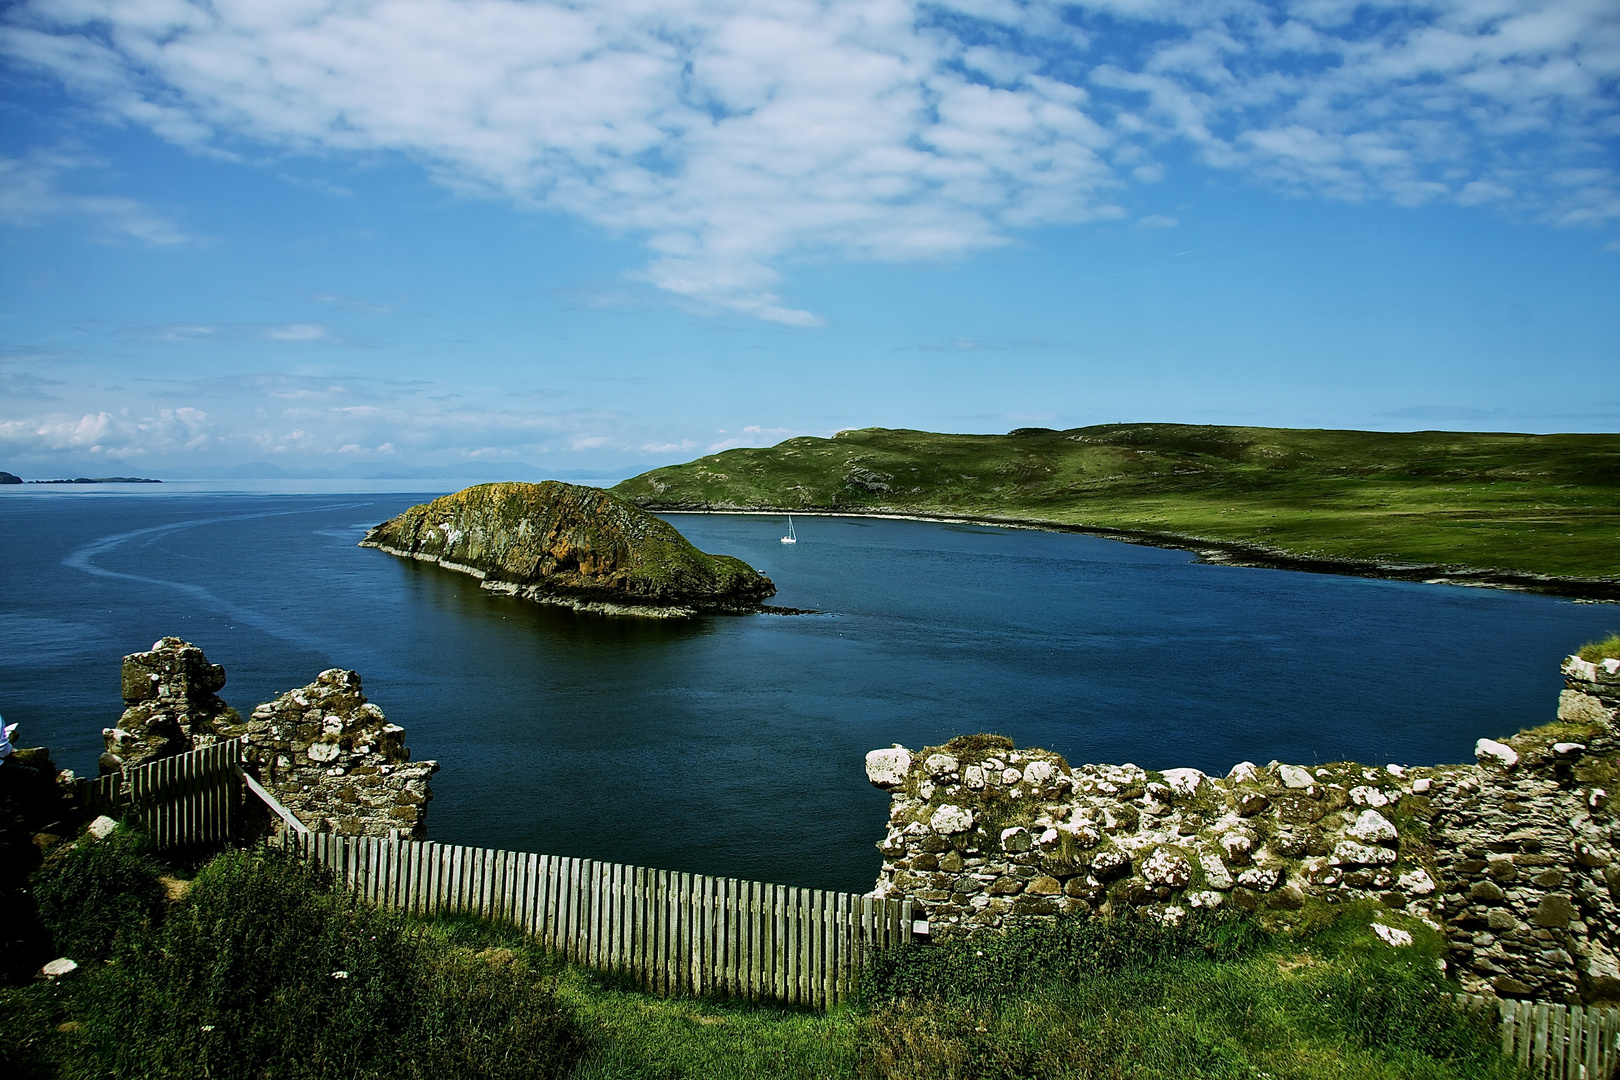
(1513, 859)
(173, 705)
(323, 750)
(334, 760)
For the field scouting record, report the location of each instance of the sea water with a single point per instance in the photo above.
(733, 745)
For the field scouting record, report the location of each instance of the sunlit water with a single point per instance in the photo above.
(734, 745)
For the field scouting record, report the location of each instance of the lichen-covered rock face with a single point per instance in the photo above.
(334, 760)
(173, 706)
(1514, 859)
(579, 546)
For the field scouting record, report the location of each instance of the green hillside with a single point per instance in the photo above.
(1535, 510)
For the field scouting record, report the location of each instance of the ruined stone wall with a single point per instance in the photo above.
(1512, 858)
(332, 758)
(323, 750)
(172, 705)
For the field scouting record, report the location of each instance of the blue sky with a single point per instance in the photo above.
(419, 234)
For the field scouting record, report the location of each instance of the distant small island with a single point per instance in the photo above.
(579, 547)
(12, 478)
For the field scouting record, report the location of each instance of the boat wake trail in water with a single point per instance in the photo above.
(83, 558)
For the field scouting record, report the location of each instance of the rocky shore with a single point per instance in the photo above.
(581, 547)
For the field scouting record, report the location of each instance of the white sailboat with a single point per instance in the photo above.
(790, 538)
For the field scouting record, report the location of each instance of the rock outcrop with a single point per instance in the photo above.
(334, 760)
(173, 705)
(1513, 859)
(577, 546)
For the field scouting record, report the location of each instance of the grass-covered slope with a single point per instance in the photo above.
(1507, 508)
(563, 541)
(257, 968)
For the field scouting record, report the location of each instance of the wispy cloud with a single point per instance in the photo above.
(21, 386)
(32, 354)
(733, 136)
(288, 333)
(751, 435)
(32, 192)
(354, 304)
(307, 429)
(978, 345)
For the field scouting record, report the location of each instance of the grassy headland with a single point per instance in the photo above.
(1531, 511)
(258, 968)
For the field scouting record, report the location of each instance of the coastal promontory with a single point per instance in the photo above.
(577, 546)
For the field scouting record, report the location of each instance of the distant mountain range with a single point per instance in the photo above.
(472, 472)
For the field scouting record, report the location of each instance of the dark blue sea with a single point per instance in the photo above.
(734, 745)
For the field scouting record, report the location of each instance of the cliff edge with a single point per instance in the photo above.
(581, 547)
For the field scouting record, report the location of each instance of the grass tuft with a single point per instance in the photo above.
(977, 744)
(1607, 649)
(95, 894)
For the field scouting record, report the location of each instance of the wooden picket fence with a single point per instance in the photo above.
(190, 799)
(673, 932)
(1555, 1042)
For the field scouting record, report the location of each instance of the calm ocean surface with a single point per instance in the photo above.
(734, 745)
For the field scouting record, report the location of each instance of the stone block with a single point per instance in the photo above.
(1555, 910)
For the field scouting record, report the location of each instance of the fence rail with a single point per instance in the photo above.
(189, 799)
(1555, 1042)
(673, 932)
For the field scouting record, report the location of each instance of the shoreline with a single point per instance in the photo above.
(1241, 553)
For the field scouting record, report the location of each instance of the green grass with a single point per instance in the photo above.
(1523, 504)
(263, 970)
(235, 980)
(1607, 649)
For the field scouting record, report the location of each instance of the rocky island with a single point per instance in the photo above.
(580, 547)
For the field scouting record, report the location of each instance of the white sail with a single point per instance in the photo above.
(790, 538)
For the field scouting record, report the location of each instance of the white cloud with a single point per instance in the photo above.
(297, 332)
(289, 333)
(751, 435)
(110, 435)
(735, 135)
(31, 193)
(1159, 221)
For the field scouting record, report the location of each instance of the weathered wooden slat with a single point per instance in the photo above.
(781, 987)
(670, 953)
(565, 907)
(554, 902)
(708, 967)
(646, 928)
(734, 938)
(681, 908)
(752, 913)
(611, 917)
(1606, 1042)
(638, 924)
(1591, 1041)
(624, 917)
(802, 946)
